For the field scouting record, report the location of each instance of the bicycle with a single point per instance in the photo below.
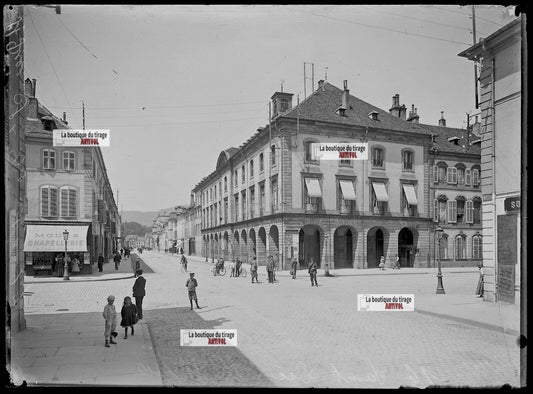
(221, 271)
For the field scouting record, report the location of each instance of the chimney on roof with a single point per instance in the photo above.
(34, 86)
(345, 94)
(65, 118)
(442, 121)
(413, 116)
(397, 110)
(28, 88)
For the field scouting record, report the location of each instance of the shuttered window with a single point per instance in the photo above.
(49, 201)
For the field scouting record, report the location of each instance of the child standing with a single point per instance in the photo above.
(110, 316)
(191, 285)
(129, 316)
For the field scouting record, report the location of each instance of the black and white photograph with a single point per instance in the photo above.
(265, 196)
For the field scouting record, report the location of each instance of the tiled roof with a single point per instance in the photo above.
(323, 103)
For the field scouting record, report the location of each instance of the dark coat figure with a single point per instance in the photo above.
(117, 259)
(129, 316)
(312, 273)
(139, 293)
(100, 262)
(253, 271)
(238, 264)
(270, 269)
(294, 267)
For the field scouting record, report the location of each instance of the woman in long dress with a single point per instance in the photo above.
(479, 289)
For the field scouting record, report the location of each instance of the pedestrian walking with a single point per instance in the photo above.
(139, 292)
(121, 252)
(238, 267)
(110, 317)
(396, 262)
(479, 289)
(253, 270)
(184, 262)
(129, 316)
(312, 273)
(191, 285)
(294, 267)
(117, 260)
(270, 269)
(382, 263)
(232, 266)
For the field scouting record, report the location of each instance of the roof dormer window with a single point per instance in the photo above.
(373, 115)
(455, 140)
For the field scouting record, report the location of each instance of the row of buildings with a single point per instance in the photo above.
(67, 188)
(271, 196)
(51, 192)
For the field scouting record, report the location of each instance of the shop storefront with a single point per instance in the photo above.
(44, 248)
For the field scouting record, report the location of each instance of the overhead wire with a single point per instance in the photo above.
(466, 14)
(384, 28)
(50, 60)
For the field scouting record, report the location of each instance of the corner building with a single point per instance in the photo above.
(269, 196)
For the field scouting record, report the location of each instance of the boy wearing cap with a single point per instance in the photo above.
(191, 285)
(110, 316)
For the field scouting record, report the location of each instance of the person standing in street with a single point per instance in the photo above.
(270, 269)
(253, 270)
(129, 316)
(238, 267)
(191, 285)
(110, 317)
(75, 265)
(116, 259)
(479, 289)
(382, 263)
(294, 267)
(137, 264)
(312, 273)
(232, 266)
(139, 292)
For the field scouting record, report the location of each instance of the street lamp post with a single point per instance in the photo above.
(440, 287)
(65, 270)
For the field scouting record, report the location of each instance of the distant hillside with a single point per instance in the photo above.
(134, 228)
(144, 218)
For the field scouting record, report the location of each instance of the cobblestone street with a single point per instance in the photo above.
(293, 335)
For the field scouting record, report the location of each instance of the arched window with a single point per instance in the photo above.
(451, 175)
(439, 172)
(460, 246)
(69, 197)
(49, 159)
(460, 173)
(477, 246)
(49, 201)
(408, 159)
(475, 176)
(378, 157)
(261, 162)
(273, 155)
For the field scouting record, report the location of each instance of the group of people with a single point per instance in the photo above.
(395, 265)
(58, 264)
(130, 313)
(236, 268)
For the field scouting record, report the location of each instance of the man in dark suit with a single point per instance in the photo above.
(139, 293)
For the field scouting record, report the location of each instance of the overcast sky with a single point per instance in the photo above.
(176, 85)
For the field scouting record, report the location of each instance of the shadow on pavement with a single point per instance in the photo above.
(198, 366)
(146, 269)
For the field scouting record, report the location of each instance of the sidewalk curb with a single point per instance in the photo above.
(81, 280)
(470, 322)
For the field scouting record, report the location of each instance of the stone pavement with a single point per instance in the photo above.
(290, 334)
(68, 349)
